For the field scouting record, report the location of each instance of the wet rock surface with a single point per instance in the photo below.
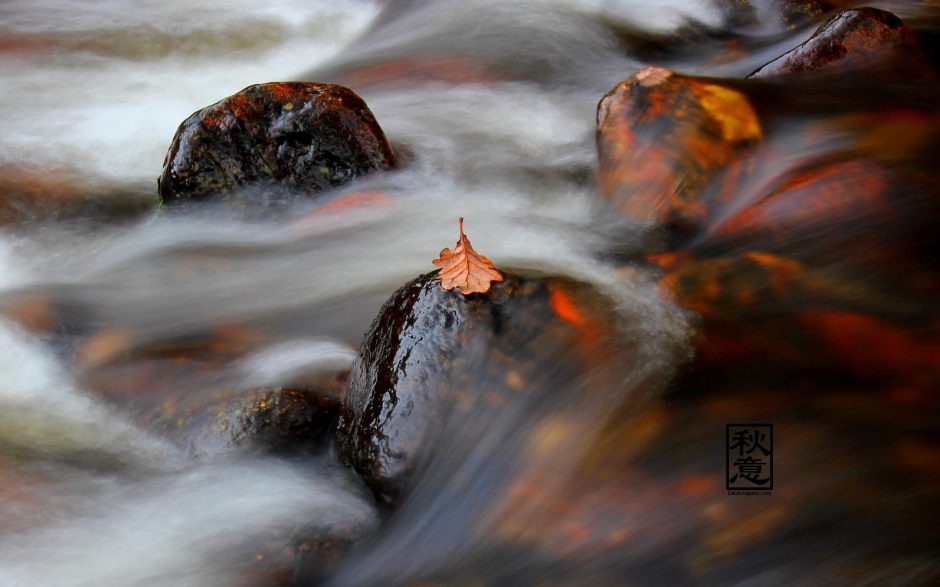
(767, 312)
(291, 138)
(810, 275)
(211, 424)
(433, 354)
(662, 137)
(785, 245)
(863, 39)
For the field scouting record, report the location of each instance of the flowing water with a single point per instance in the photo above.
(92, 93)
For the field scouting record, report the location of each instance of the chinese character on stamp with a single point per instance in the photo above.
(750, 456)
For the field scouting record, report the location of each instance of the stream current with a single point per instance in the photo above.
(92, 94)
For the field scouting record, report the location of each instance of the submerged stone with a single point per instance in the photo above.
(278, 419)
(183, 388)
(419, 69)
(294, 138)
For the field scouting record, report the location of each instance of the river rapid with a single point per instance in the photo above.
(92, 94)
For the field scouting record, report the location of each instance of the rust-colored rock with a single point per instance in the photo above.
(734, 285)
(809, 198)
(291, 138)
(662, 137)
(862, 39)
(874, 347)
(432, 354)
(767, 312)
(301, 556)
(140, 374)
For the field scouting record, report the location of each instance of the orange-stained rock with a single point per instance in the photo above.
(662, 137)
(301, 556)
(295, 138)
(860, 40)
(894, 135)
(355, 200)
(221, 344)
(769, 311)
(26, 44)
(183, 390)
(730, 286)
(810, 198)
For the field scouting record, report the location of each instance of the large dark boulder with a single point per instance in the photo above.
(294, 138)
(436, 359)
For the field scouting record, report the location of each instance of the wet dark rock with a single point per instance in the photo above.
(278, 419)
(863, 39)
(291, 138)
(432, 351)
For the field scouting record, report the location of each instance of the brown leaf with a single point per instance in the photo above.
(465, 269)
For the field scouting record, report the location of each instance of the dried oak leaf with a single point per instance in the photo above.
(465, 269)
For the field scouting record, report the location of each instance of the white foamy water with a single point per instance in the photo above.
(96, 92)
(106, 84)
(279, 363)
(45, 415)
(165, 532)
